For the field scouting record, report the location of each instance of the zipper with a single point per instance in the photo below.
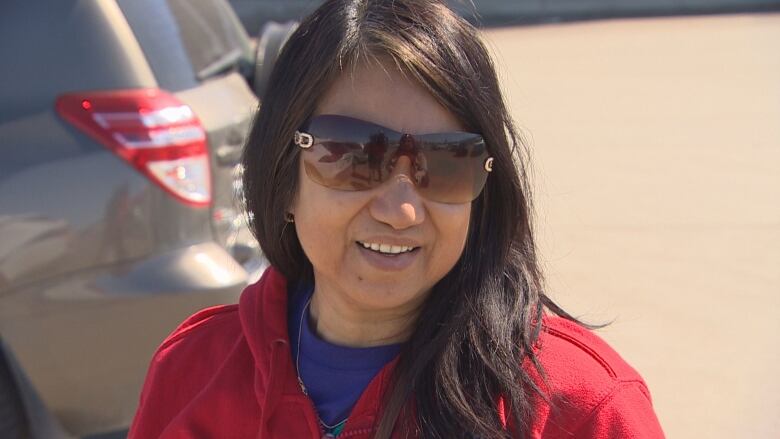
(314, 409)
(357, 432)
(344, 433)
(275, 353)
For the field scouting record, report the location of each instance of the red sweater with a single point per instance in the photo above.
(226, 372)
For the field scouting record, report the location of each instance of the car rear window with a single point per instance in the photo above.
(186, 41)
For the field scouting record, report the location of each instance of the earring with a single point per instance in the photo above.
(289, 217)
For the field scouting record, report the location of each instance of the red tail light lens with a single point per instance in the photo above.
(151, 129)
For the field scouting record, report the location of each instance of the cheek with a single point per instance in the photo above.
(322, 220)
(452, 223)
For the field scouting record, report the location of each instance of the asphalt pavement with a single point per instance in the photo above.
(657, 167)
(498, 12)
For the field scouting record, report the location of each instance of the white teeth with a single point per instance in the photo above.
(386, 248)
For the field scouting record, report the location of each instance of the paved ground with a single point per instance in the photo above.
(508, 11)
(657, 153)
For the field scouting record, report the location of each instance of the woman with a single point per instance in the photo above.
(405, 297)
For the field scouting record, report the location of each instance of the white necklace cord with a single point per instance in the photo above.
(298, 367)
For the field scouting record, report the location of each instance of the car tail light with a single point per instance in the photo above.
(151, 129)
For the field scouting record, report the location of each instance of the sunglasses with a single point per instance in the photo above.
(350, 154)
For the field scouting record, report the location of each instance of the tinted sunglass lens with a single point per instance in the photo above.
(344, 153)
(353, 155)
(456, 174)
(338, 165)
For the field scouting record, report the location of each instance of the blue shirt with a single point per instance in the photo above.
(335, 376)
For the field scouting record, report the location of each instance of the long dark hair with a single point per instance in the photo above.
(482, 319)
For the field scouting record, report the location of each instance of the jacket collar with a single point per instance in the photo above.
(263, 314)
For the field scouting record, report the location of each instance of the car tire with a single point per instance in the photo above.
(13, 424)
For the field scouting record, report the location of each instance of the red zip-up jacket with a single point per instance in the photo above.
(226, 372)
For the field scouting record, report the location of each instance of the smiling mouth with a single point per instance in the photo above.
(386, 249)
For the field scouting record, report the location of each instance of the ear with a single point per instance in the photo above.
(292, 208)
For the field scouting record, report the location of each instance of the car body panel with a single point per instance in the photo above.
(97, 262)
(225, 105)
(84, 340)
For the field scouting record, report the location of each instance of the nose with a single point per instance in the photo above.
(397, 202)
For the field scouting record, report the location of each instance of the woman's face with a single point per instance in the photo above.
(333, 225)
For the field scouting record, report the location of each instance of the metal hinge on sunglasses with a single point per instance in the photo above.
(303, 140)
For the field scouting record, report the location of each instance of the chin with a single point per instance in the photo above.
(388, 294)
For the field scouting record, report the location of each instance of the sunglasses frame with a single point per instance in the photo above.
(305, 140)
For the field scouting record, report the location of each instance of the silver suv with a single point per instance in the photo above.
(121, 128)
